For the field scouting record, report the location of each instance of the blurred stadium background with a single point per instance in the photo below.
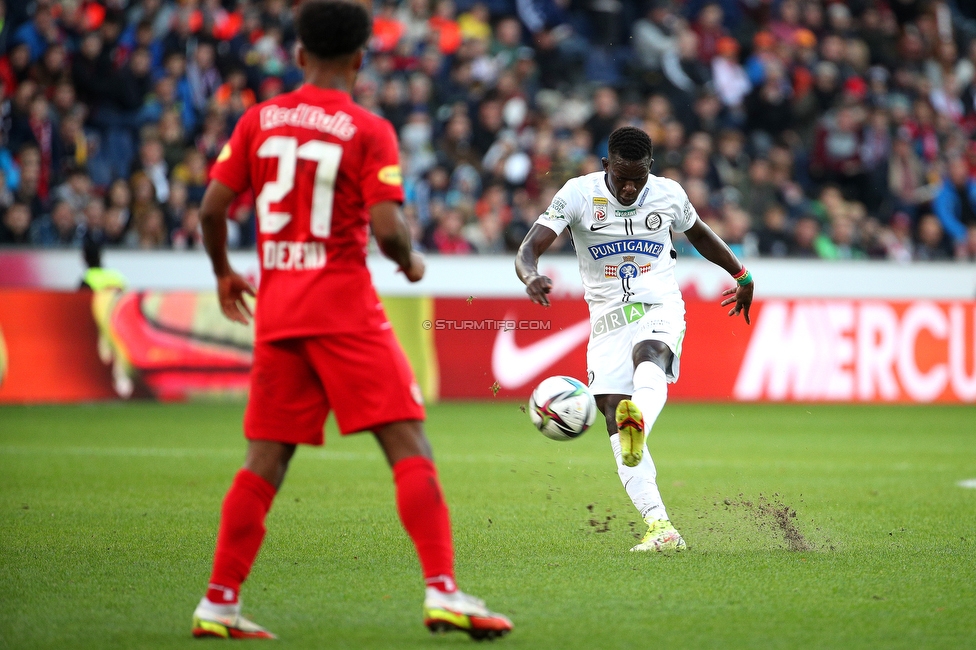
(831, 144)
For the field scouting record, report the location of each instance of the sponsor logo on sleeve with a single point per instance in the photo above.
(555, 211)
(600, 208)
(687, 210)
(390, 175)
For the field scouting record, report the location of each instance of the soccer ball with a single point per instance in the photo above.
(562, 408)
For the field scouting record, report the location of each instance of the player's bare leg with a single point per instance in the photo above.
(425, 517)
(238, 541)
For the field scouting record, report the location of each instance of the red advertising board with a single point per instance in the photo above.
(48, 348)
(73, 346)
(802, 350)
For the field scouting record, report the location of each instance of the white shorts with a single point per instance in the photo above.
(609, 353)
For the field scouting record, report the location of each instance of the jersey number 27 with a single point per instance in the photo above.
(326, 156)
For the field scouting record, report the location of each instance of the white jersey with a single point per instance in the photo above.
(625, 252)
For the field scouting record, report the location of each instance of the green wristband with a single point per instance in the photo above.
(744, 279)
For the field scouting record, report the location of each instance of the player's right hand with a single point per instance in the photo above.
(415, 272)
(538, 286)
(230, 290)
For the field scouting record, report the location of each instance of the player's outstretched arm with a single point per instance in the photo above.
(393, 236)
(231, 287)
(717, 252)
(537, 241)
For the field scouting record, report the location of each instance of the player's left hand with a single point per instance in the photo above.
(742, 297)
(415, 272)
(230, 290)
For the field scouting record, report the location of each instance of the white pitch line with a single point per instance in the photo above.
(968, 483)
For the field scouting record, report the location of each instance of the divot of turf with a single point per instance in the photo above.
(767, 514)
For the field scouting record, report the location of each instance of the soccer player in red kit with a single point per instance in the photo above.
(323, 171)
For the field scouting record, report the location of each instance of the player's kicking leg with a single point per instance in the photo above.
(629, 419)
(425, 517)
(238, 541)
(651, 357)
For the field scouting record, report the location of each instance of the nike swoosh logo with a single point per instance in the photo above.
(595, 227)
(515, 366)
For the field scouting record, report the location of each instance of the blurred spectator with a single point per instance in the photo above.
(969, 252)
(446, 236)
(805, 235)
(655, 36)
(841, 244)
(932, 243)
(773, 239)
(152, 163)
(15, 228)
(606, 111)
(906, 175)
(731, 81)
(188, 234)
(192, 172)
(58, 229)
(203, 76)
(955, 203)
(897, 241)
(150, 230)
(76, 190)
(93, 224)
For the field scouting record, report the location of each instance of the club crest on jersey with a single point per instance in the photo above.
(628, 269)
(600, 208)
(619, 246)
(653, 221)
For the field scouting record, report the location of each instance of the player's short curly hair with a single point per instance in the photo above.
(630, 143)
(332, 29)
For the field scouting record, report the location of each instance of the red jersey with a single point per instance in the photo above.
(316, 163)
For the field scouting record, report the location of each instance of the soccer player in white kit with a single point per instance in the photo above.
(621, 220)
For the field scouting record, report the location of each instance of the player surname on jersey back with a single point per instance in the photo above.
(293, 255)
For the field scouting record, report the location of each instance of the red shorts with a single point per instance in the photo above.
(363, 376)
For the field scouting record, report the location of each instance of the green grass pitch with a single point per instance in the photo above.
(108, 515)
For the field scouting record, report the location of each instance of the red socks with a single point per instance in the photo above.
(240, 536)
(425, 517)
(419, 500)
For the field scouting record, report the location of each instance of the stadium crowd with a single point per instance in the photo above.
(799, 128)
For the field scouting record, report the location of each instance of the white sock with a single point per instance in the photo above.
(640, 483)
(650, 392)
(650, 395)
